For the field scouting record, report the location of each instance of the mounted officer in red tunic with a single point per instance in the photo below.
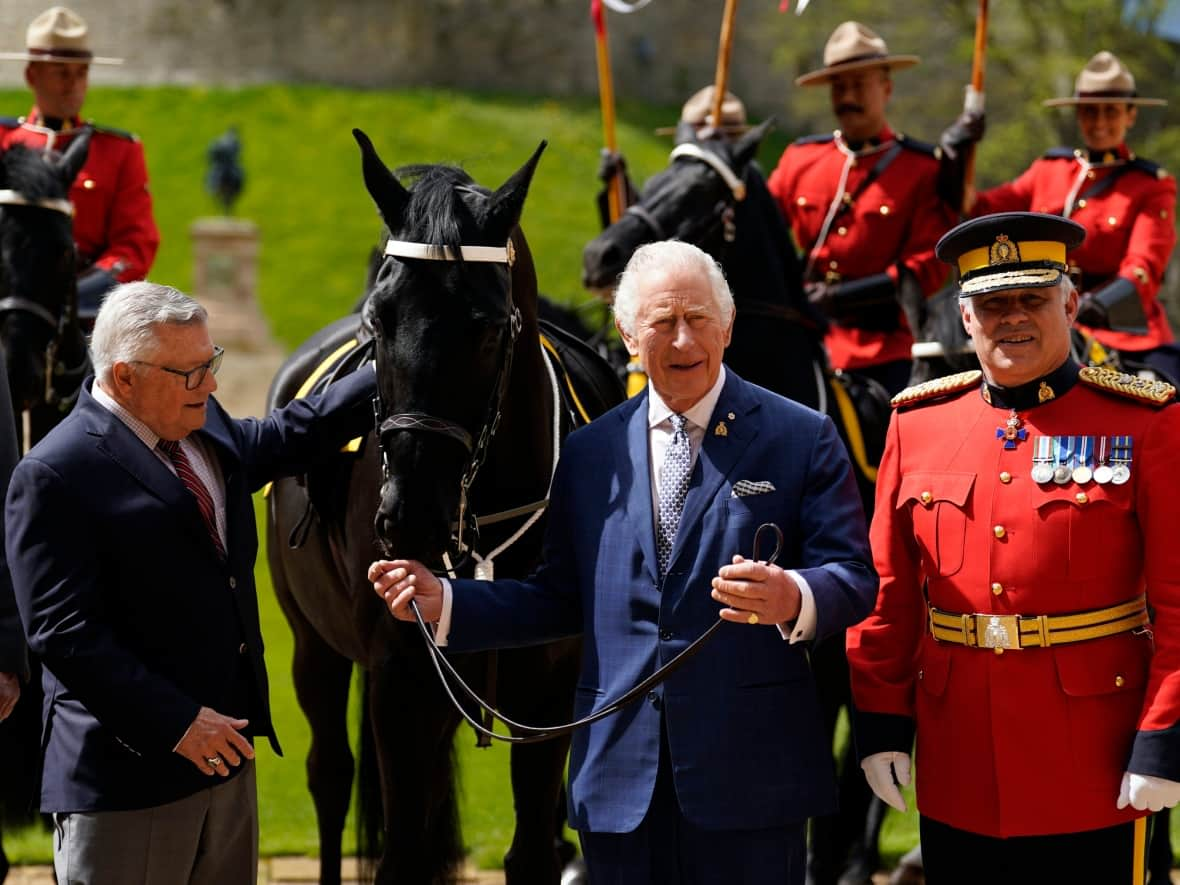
(114, 230)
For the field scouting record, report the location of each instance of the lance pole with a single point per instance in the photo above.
(973, 102)
(606, 99)
(721, 80)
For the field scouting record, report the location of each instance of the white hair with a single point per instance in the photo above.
(668, 255)
(126, 325)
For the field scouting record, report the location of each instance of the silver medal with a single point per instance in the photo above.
(1062, 474)
(1120, 473)
(1042, 473)
(1103, 474)
(1082, 474)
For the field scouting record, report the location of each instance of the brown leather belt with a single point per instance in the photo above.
(1036, 631)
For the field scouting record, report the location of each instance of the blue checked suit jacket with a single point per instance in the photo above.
(743, 726)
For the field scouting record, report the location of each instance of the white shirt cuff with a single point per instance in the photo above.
(443, 628)
(803, 627)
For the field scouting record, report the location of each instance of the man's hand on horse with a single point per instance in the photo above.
(400, 580)
(756, 593)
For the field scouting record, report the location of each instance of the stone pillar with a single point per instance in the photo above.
(225, 277)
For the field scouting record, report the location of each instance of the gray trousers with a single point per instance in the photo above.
(209, 838)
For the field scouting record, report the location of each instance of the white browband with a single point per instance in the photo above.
(691, 150)
(505, 254)
(16, 198)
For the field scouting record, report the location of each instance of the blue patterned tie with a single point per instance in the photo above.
(673, 489)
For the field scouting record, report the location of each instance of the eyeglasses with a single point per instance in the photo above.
(193, 378)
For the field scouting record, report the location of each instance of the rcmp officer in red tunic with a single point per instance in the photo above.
(863, 206)
(114, 230)
(1126, 204)
(1028, 622)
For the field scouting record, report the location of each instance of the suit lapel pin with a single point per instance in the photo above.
(721, 429)
(731, 416)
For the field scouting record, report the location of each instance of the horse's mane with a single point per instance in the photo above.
(441, 204)
(25, 170)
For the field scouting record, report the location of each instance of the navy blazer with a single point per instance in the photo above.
(747, 743)
(138, 620)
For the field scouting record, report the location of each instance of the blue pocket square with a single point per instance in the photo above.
(745, 487)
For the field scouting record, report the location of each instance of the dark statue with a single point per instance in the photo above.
(225, 177)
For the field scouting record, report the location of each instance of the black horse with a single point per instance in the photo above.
(470, 421)
(45, 359)
(44, 344)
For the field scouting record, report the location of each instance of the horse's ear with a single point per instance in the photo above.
(747, 146)
(75, 156)
(505, 205)
(382, 185)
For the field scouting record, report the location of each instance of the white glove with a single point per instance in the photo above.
(1145, 793)
(884, 771)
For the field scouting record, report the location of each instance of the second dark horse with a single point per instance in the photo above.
(470, 418)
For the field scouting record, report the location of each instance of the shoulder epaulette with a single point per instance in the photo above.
(937, 387)
(821, 138)
(1060, 153)
(10, 122)
(921, 147)
(110, 130)
(1155, 170)
(1157, 393)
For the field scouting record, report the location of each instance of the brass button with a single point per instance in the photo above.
(1112, 221)
(847, 198)
(884, 210)
(926, 497)
(801, 201)
(1119, 682)
(999, 650)
(1000, 531)
(1090, 176)
(833, 264)
(1005, 477)
(997, 588)
(1081, 497)
(1081, 204)
(842, 231)
(921, 675)
(89, 184)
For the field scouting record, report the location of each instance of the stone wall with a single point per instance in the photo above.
(545, 47)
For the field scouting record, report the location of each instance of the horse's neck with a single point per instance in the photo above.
(761, 262)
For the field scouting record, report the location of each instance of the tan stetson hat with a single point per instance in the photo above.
(58, 34)
(698, 111)
(1104, 80)
(852, 47)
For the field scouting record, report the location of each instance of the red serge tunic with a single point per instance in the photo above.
(1127, 206)
(1031, 741)
(892, 221)
(113, 224)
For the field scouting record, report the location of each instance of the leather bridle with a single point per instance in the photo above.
(723, 212)
(423, 422)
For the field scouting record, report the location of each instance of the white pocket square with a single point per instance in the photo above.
(745, 487)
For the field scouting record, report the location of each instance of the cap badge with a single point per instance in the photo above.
(1003, 251)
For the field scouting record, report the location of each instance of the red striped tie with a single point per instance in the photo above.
(192, 482)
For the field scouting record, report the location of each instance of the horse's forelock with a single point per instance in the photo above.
(442, 205)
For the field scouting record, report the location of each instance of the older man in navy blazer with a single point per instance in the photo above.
(131, 539)
(653, 512)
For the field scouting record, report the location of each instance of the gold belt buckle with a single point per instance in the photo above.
(997, 631)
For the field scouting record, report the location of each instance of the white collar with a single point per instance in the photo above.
(699, 415)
